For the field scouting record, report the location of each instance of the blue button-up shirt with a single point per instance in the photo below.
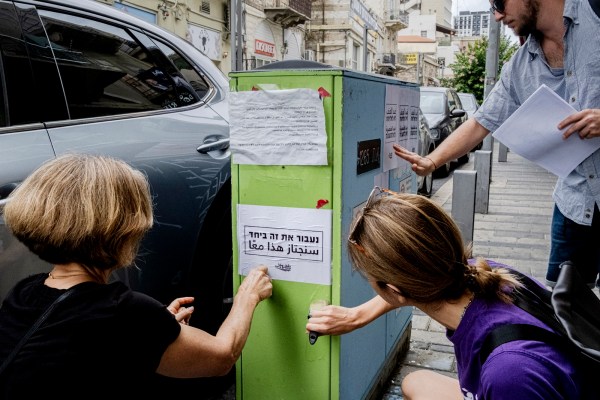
(578, 83)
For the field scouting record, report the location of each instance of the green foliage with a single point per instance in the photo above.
(469, 67)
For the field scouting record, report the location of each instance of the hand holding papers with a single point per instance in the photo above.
(532, 133)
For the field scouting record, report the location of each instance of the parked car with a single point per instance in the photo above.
(426, 145)
(81, 76)
(444, 113)
(470, 105)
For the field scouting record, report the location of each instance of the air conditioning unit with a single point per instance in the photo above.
(389, 59)
(309, 55)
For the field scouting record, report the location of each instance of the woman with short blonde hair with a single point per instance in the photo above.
(86, 215)
(108, 199)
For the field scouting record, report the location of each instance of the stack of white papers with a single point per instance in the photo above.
(532, 132)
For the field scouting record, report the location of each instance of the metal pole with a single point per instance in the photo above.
(491, 70)
(366, 48)
(240, 36)
(483, 166)
(463, 202)
(419, 81)
(491, 57)
(233, 33)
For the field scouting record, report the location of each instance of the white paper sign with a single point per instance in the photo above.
(294, 243)
(401, 124)
(277, 127)
(391, 126)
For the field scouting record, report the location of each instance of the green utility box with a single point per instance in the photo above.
(294, 196)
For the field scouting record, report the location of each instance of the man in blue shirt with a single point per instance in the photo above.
(562, 51)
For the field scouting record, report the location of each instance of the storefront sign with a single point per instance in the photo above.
(264, 48)
(410, 58)
(358, 8)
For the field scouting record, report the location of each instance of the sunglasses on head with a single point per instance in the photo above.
(375, 194)
(497, 6)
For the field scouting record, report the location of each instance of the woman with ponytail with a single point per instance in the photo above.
(411, 252)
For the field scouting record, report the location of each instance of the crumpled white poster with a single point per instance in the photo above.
(277, 127)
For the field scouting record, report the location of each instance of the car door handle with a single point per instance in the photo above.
(222, 144)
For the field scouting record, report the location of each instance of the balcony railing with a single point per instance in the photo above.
(288, 13)
(396, 20)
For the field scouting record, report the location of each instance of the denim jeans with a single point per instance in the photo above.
(577, 243)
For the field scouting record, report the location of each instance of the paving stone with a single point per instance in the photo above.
(420, 322)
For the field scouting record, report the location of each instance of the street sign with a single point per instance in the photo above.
(410, 58)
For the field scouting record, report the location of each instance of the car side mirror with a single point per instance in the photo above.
(457, 112)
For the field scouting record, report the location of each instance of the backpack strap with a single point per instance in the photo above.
(537, 301)
(511, 332)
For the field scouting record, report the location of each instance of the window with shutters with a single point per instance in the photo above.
(205, 7)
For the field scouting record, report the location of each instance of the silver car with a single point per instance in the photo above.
(469, 103)
(80, 76)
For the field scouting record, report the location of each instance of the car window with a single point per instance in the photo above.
(30, 84)
(468, 102)
(432, 102)
(105, 71)
(183, 69)
(453, 101)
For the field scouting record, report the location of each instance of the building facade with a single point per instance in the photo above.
(271, 30)
(353, 34)
(442, 9)
(469, 23)
(202, 22)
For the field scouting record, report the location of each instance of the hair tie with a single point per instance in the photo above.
(470, 278)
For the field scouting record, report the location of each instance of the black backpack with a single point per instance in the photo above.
(571, 309)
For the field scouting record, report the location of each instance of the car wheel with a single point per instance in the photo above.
(426, 186)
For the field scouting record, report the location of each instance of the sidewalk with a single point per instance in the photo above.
(515, 231)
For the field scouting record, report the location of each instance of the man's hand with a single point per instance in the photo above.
(586, 123)
(421, 165)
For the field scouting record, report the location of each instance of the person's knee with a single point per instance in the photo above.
(425, 384)
(414, 383)
(411, 383)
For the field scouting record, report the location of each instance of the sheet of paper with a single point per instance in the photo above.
(294, 243)
(400, 125)
(532, 133)
(391, 126)
(277, 127)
